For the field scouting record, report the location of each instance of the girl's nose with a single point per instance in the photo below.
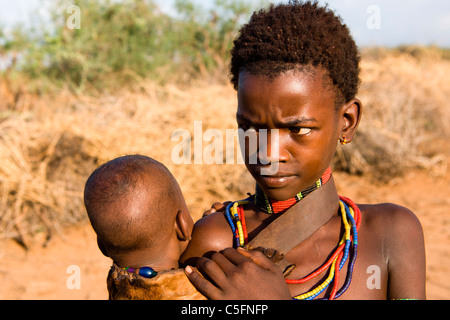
(271, 147)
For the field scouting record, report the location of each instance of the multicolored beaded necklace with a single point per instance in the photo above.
(347, 247)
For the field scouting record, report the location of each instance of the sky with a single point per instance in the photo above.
(372, 22)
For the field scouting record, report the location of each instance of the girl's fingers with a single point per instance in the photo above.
(203, 286)
(259, 258)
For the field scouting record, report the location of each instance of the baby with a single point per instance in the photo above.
(142, 223)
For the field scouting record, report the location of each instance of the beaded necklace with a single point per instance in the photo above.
(273, 206)
(145, 272)
(347, 246)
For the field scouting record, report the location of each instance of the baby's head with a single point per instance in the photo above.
(138, 212)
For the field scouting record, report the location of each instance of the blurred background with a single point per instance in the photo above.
(82, 82)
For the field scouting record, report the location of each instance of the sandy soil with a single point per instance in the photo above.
(42, 272)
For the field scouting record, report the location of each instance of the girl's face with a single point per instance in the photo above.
(303, 110)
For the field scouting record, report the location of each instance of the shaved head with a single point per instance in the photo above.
(132, 202)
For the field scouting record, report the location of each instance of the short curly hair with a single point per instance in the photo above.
(288, 36)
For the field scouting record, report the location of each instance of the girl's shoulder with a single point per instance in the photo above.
(210, 233)
(397, 225)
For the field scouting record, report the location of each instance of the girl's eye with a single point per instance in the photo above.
(247, 128)
(300, 130)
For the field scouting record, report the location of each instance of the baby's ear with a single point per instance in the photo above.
(184, 225)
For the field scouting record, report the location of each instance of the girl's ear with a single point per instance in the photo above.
(350, 116)
(184, 225)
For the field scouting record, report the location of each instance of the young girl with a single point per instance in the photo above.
(296, 69)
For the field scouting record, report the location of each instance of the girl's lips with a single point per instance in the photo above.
(276, 181)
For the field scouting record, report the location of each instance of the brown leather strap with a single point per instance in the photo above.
(295, 225)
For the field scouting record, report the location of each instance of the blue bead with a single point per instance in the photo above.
(147, 272)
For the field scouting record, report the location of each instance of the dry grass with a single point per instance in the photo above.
(405, 119)
(49, 148)
(50, 144)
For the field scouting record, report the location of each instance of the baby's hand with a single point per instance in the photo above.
(217, 206)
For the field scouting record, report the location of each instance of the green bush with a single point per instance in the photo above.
(122, 43)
